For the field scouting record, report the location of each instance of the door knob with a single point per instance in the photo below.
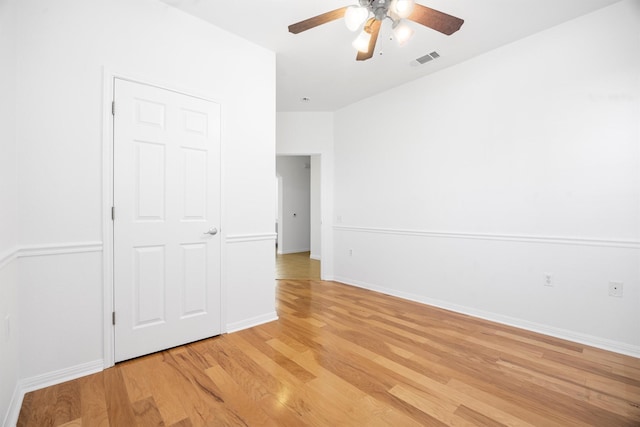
(213, 231)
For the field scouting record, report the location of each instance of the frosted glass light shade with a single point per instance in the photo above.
(402, 33)
(355, 16)
(362, 42)
(403, 8)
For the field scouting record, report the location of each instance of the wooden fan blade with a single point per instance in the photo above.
(435, 19)
(372, 27)
(307, 24)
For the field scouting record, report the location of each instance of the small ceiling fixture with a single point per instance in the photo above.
(369, 14)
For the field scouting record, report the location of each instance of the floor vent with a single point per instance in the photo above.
(428, 57)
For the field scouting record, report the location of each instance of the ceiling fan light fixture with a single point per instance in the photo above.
(399, 12)
(355, 16)
(361, 43)
(402, 8)
(402, 32)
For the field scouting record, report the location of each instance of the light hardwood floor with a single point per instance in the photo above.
(343, 356)
(297, 266)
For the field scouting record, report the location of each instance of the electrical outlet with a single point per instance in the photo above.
(615, 289)
(548, 280)
(350, 252)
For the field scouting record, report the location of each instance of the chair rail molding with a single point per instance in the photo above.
(8, 256)
(47, 249)
(554, 240)
(243, 238)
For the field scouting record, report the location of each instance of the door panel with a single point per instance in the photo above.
(194, 279)
(150, 180)
(166, 198)
(195, 189)
(149, 286)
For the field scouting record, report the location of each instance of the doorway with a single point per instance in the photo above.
(298, 221)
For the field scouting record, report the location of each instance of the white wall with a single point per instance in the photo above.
(311, 133)
(63, 50)
(8, 171)
(295, 230)
(519, 163)
(8, 219)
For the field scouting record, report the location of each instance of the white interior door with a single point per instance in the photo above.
(167, 212)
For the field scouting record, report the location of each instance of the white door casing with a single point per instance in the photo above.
(167, 245)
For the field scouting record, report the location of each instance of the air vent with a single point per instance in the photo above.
(424, 59)
(428, 57)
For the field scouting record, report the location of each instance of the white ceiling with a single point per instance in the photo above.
(320, 63)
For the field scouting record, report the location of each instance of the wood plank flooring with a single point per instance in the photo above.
(343, 356)
(297, 266)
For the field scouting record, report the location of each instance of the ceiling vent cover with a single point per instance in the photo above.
(428, 57)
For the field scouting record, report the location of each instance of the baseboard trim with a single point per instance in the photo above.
(553, 240)
(577, 337)
(60, 376)
(27, 385)
(315, 256)
(250, 323)
(13, 412)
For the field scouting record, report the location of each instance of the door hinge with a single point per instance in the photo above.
(113, 213)
(113, 318)
(113, 108)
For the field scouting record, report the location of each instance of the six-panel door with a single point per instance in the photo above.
(167, 212)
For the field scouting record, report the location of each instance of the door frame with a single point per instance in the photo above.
(279, 215)
(325, 213)
(282, 229)
(108, 173)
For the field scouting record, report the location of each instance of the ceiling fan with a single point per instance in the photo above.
(371, 13)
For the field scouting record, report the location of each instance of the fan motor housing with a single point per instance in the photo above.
(379, 8)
